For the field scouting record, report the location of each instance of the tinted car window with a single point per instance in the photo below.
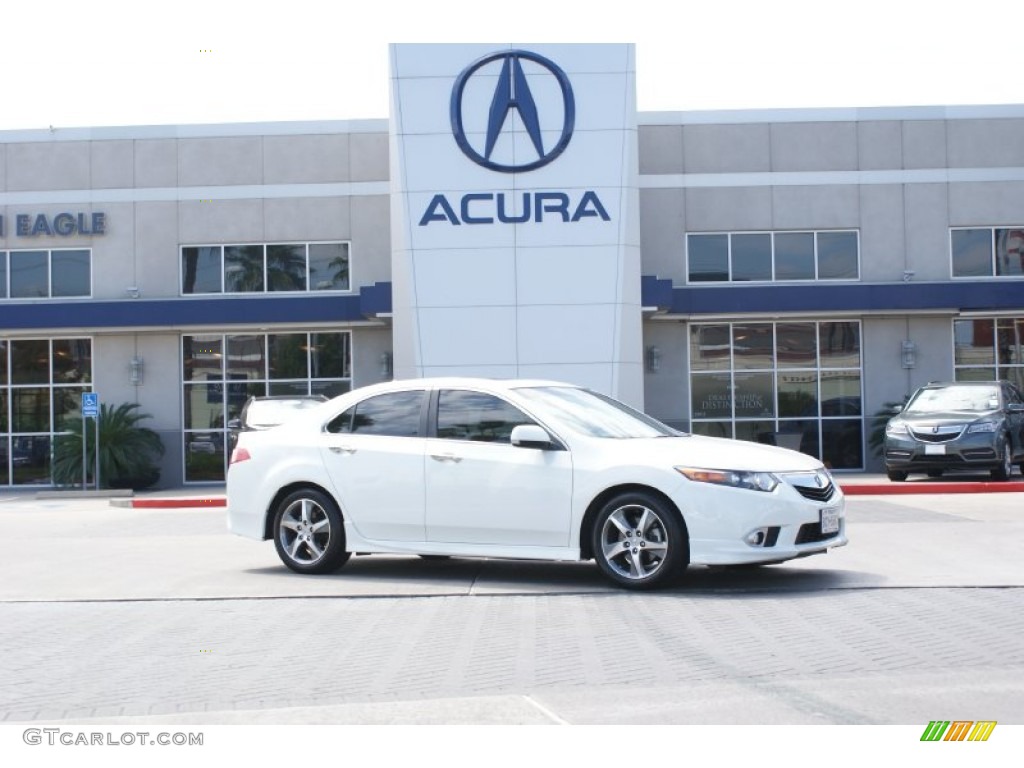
(476, 416)
(395, 413)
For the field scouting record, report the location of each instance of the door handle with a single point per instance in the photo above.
(342, 449)
(446, 457)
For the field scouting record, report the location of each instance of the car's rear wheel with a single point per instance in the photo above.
(1002, 472)
(309, 534)
(896, 475)
(639, 541)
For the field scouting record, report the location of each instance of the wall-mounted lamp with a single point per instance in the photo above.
(908, 275)
(132, 292)
(908, 351)
(135, 366)
(653, 359)
(385, 365)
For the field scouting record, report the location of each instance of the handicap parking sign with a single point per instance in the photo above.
(90, 405)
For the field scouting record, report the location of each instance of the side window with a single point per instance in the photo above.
(476, 416)
(396, 414)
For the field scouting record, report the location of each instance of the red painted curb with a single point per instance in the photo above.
(904, 489)
(176, 503)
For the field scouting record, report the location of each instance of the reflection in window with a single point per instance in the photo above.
(767, 256)
(328, 267)
(792, 384)
(201, 269)
(987, 252)
(243, 268)
(29, 275)
(794, 256)
(46, 274)
(396, 414)
(988, 348)
(837, 256)
(286, 267)
(751, 257)
(477, 416)
(261, 268)
(708, 257)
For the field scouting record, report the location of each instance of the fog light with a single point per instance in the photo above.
(757, 538)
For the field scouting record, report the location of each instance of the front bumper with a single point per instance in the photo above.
(969, 451)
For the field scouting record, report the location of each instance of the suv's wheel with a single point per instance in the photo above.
(896, 475)
(639, 541)
(309, 533)
(1002, 472)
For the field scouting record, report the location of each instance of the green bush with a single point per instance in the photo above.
(128, 452)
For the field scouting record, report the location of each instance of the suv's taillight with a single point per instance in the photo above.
(238, 455)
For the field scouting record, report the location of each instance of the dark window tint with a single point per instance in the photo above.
(286, 267)
(3, 274)
(794, 256)
(328, 267)
(477, 416)
(752, 257)
(396, 414)
(972, 252)
(70, 273)
(709, 258)
(837, 255)
(29, 274)
(243, 268)
(201, 270)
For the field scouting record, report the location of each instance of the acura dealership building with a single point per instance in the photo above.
(776, 276)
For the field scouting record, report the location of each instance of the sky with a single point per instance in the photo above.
(70, 63)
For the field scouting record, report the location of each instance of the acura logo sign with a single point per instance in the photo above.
(512, 92)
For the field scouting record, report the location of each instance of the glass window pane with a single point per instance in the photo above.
(30, 460)
(328, 267)
(1010, 341)
(755, 395)
(29, 274)
(3, 283)
(972, 252)
(975, 374)
(280, 388)
(238, 393)
(30, 409)
(288, 356)
(477, 417)
(396, 414)
(30, 361)
(204, 457)
(840, 344)
(794, 256)
(798, 394)
(752, 257)
(837, 256)
(67, 405)
(708, 258)
(201, 269)
(974, 342)
(711, 396)
(243, 268)
(842, 443)
(3, 361)
(201, 357)
(72, 273)
(246, 358)
(712, 428)
(1013, 374)
(753, 346)
(204, 405)
(1009, 251)
(840, 393)
(329, 389)
(72, 361)
(709, 347)
(3, 414)
(756, 431)
(286, 267)
(330, 355)
(796, 345)
(5, 459)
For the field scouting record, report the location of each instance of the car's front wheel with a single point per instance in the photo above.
(1002, 472)
(309, 534)
(640, 542)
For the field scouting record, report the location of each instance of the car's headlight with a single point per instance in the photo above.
(896, 428)
(752, 481)
(984, 426)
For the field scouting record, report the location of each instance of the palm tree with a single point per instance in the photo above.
(127, 451)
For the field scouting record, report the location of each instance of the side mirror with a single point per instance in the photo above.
(531, 436)
(897, 409)
(234, 424)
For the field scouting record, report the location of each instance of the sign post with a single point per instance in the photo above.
(90, 410)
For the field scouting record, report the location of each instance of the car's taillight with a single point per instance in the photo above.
(239, 454)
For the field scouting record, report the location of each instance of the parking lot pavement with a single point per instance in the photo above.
(112, 614)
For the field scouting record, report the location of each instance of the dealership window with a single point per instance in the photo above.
(41, 386)
(793, 384)
(989, 348)
(46, 274)
(722, 257)
(987, 251)
(221, 371)
(265, 268)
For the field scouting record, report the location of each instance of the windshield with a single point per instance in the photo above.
(963, 398)
(270, 413)
(594, 415)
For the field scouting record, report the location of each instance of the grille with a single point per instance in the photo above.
(814, 493)
(810, 533)
(944, 435)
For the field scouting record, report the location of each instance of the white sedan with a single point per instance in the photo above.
(523, 469)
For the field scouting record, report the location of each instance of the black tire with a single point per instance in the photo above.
(436, 557)
(896, 475)
(309, 533)
(639, 541)
(1003, 471)
(934, 473)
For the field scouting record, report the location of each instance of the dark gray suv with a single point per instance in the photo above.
(957, 425)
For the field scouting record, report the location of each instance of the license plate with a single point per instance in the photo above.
(935, 450)
(830, 520)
